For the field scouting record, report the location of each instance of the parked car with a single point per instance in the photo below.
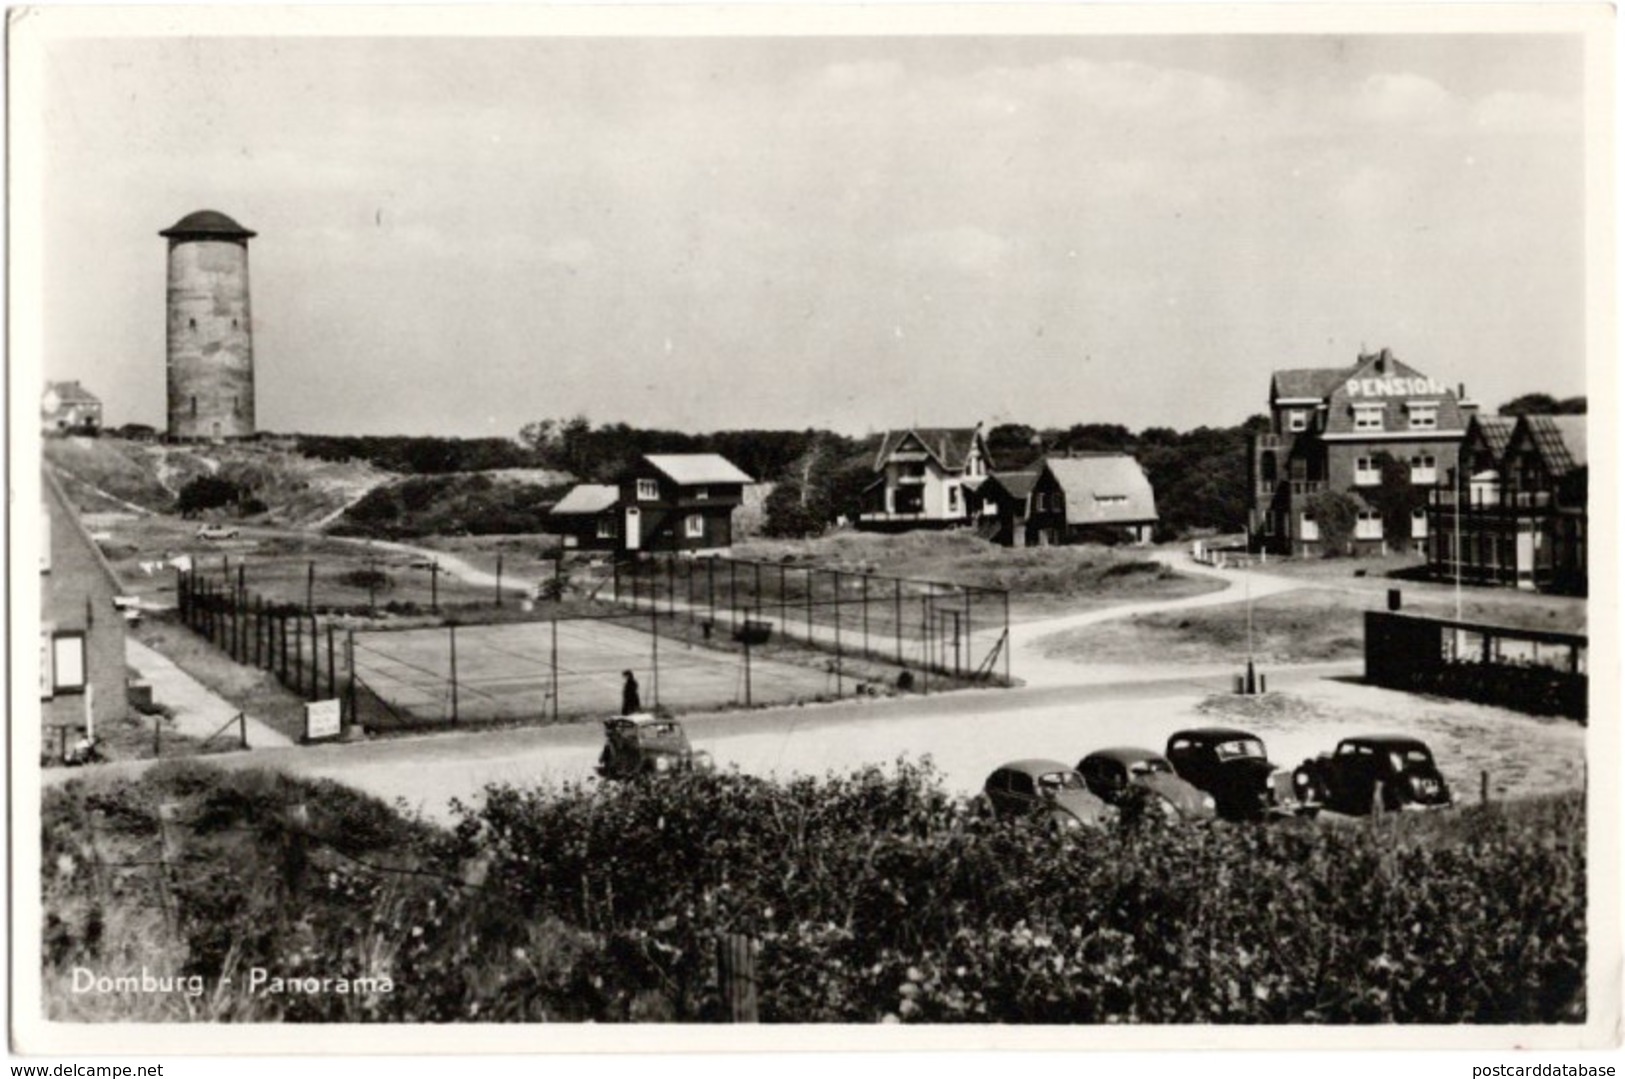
(1233, 767)
(1387, 770)
(1046, 789)
(643, 745)
(1121, 775)
(216, 532)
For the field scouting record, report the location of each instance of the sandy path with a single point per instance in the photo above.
(1031, 665)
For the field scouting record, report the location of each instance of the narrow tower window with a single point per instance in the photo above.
(194, 406)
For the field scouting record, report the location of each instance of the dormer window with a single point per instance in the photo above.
(1368, 417)
(1424, 415)
(1297, 420)
(648, 490)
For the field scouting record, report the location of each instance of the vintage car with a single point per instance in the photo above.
(1232, 766)
(645, 745)
(1048, 790)
(216, 532)
(1373, 772)
(1126, 776)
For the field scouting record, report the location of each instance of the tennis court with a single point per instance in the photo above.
(569, 668)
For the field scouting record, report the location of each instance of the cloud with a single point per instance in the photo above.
(1511, 113)
(860, 75)
(965, 248)
(1403, 98)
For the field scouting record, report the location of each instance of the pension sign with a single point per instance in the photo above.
(1394, 386)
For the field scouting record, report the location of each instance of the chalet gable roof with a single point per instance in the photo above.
(586, 500)
(1105, 488)
(685, 469)
(949, 446)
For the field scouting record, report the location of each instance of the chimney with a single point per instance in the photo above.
(1469, 409)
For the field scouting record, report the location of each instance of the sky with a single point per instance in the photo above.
(459, 236)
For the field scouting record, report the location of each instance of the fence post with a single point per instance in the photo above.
(349, 663)
(1484, 788)
(671, 583)
(310, 588)
(315, 659)
(298, 654)
(434, 585)
(897, 618)
(925, 643)
(784, 602)
(1006, 638)
(733, 593)
(711, 587)
(736, 976)
(555, 665)
(811, 585)
(654, 647)
(242, 728)
(453, 630)
(865, 614)
(157, 734)
(615, 571)
(240, 602)
(282, 647)
(332, 673)
(747, 662)
(839, 687)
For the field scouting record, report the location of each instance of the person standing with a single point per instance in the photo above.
(630, 701)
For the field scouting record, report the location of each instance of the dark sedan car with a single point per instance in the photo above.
(1119, 775)
(1047, 789)
(1232, 766)
(1379, 771)
(646, 745)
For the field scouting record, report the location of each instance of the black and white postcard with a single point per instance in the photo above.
(907, 527)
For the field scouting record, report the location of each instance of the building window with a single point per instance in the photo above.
(1368, 525)
(1419, 523)
(1366, 472)
(1368, 417)
(1110, 500)
(1424, 469)
(68, 662)
(694, 526)
(1424, 416)
(648, 490)
(953, 499)
(606, 527)
(194, 406)
(702, 493)
(1297, 420)
(1308, 530)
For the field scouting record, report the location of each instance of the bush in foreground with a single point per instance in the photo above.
(873, 897)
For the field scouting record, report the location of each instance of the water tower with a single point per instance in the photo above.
(210, 342)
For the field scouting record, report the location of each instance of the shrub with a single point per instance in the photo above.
(873, 896)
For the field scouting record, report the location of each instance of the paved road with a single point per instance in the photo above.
(1064, 710)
